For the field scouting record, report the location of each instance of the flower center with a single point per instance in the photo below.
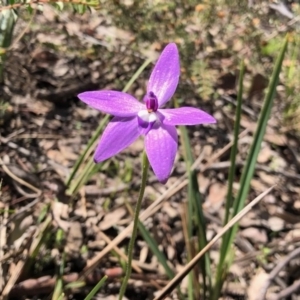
(151, 102)
(149, 116)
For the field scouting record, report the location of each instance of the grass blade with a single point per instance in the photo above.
(96, 288)
(58, 290)
(176, 280)
(88, 149)
(233, 152)
(195, 209)
(248, 170)
(155, 250)
(8, 19)
(152, 244)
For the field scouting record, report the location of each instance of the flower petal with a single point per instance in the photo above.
(161, 144)
(119, 134)
(165, 75)
(186, 116)
(112, 102)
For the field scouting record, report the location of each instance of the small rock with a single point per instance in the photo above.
(276, 224)
(171, 252)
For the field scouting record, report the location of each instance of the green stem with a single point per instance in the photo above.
(145, 167)
(234, 149)
(85, 153)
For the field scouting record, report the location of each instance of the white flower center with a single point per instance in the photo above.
(146, 116)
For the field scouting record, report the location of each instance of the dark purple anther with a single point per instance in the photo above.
(151, 102)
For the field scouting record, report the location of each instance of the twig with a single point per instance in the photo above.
(45, 284)
(21, 181)
(226, 165)
(276, 270)
(283, 263)
(27, 153)
(3, 241)
(23, 209)
(129, 208)
(288, 291)
(175, 281)
(120, 252)
(218, 154)
(177, 186)
(14, 276)
(282, 9)
(244, 107)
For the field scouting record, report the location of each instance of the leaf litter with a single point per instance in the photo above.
(45, 128)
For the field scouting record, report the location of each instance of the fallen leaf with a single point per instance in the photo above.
(216, 196)
(59, 211)
(265, 155)
(20, 226)
(258, 185)
(258, 286)
(74, 239)
(293, 235)
(255, 235)
(267, 178)
(112, 218)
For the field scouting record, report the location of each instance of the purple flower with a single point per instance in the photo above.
(133, 118)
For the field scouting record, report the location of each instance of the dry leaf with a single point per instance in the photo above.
(258, 185)
(258, 286)
(20, 226)
(112, 218)
(276, 138)
(216, 196)
(255, 235)
(74, 239)
(60, 210)
(267, 178)
(265, 155)
(293, 236)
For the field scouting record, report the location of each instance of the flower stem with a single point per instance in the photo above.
(145, 167)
